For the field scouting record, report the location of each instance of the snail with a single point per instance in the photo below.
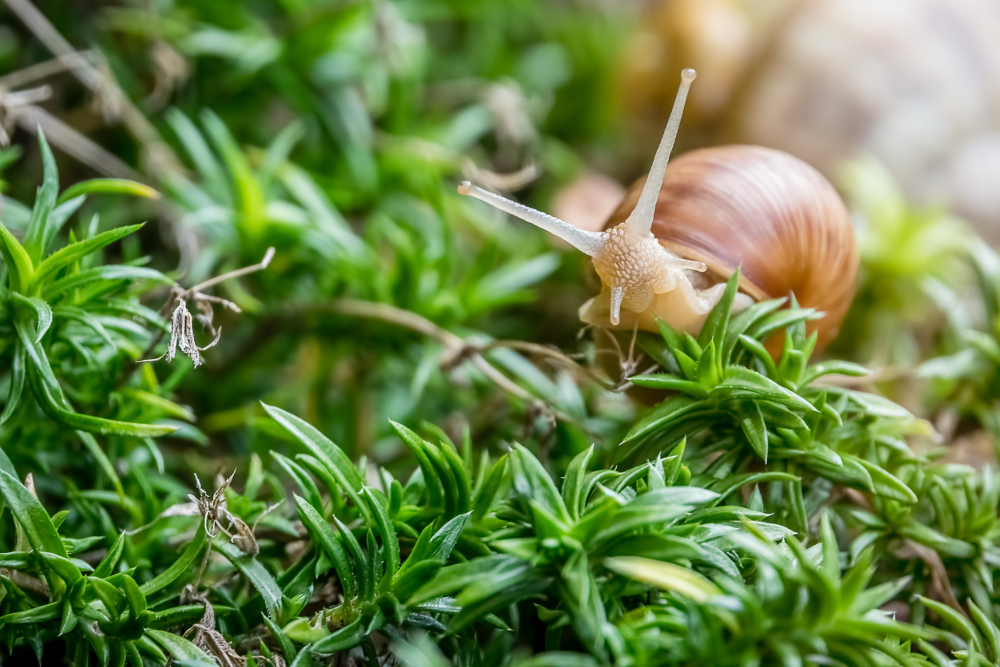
(682, 231)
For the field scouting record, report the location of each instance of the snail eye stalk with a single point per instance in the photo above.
(641, 219)
(589, 243)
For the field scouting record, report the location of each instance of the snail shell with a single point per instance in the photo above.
(765, 211)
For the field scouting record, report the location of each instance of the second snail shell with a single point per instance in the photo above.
(765, 211)
(912, 83)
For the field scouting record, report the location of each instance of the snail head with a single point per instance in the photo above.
(631, 263)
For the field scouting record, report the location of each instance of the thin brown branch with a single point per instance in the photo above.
(539, 350)
(393, 315)
(24, 98)
(99, 81)
(41, 70)
(73, 143)
(13, 105)
(431, 151)
(179, 296)
(211, 282)
(940, 583)
(456, 347)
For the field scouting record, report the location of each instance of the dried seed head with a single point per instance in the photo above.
(241, 534)
(205, 315)
(182, 333)
(206, 637)
(212, 508)
(182, 322)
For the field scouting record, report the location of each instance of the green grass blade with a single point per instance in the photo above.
(74, 251)
(573, 483)
(483, 500)
(254, 570)
(383, 524)
(326, 451)
(106, 567)
(667, 576)
(178, 567)
(60, 214)
(17, 375)
(20, 268)
(107, 186)
(418, 446)
(717, 321)
(343, 639)
(45, 201)
(30, 514)
(752, 422)
(445, 539)
(287, 648)
(323, 535)
(87, 277)
(180, 648)
(360, 560)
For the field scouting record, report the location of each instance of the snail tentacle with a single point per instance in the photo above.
(617, 294)
(641, 219)
(629, 259)
(589, 243)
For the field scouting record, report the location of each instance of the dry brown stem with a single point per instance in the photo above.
(940, 583)
(182, 322)
(458, 349)
(110, 97)
(71, 142)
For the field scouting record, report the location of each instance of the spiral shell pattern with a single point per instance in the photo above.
(765, 211)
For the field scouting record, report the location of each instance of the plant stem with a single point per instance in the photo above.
(190, 293)
(457, 347)
(211, 282)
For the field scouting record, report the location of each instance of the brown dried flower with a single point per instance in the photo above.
(182, 322)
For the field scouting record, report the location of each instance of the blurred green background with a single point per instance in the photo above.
(336, 132)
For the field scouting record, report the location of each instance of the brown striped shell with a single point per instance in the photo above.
(766, 211)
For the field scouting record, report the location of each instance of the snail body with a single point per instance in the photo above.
(761, 209)
(679, 234)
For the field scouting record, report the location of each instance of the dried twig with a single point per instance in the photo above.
(42, 70)
(26, 581)
(552, 353)
(458, 349)
(73, 143)
(628, 364)
(213, 510)
(171, 70)
(237, 273)
(469, 170)
(182, 322)
(20, 107)
(13, 106)
(940, 582)
(206, 637)
(158, 156)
